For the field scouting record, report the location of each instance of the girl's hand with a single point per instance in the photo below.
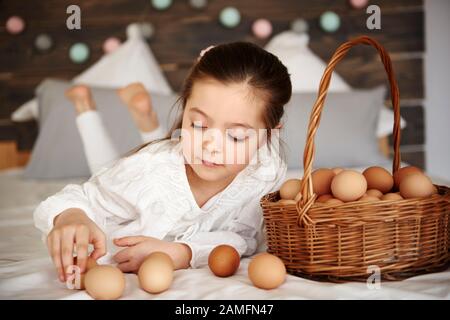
(138, 248)
(72, 228)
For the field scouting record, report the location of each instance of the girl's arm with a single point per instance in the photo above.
(137, 248)
(80, 212)
(72, 226)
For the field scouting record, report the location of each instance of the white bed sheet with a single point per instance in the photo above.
(26, 271)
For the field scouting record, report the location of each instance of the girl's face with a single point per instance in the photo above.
(222, 129)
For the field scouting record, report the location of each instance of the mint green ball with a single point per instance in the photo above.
(79, 52)
(230, 17)
(161, 4)
(330, 21)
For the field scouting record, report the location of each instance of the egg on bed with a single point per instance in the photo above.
(156, 272)
(266, 271)
(105, 282)
(224, 260)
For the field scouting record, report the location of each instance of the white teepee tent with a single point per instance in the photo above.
(305, 67)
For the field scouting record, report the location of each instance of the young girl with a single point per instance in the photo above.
(192, 191)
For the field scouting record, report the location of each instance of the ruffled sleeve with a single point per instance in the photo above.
(109, 193)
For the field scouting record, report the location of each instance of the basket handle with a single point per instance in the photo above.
(308, 197)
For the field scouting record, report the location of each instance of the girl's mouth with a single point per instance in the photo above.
(210, 164)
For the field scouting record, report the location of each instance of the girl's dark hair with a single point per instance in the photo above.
(239, 62)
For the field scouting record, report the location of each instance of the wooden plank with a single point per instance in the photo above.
(414, 132)
(8, 131)
(11, 157)
(414, 158)
(177, 44)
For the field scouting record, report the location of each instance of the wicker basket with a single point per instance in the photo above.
(342, 242)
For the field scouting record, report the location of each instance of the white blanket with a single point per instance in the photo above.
(26, 271)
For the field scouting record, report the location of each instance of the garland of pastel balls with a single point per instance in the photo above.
(229, 17)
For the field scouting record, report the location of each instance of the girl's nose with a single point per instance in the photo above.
(212, 141)
(210, 146)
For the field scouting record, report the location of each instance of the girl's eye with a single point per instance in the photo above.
(237, 139)
(197, 126)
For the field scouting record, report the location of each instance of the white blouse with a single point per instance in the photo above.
(148, 194)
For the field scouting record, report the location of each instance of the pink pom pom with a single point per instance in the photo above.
(358, 4)
(15, 25)
(262, 28)
(111, 44)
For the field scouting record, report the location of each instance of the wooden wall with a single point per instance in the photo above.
(181, 32)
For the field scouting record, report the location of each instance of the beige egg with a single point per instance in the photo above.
(416, 185)
(349, 185)
(266, 271)
(290, 189)
(333, 201)
(403, 172)
(391, 196)
(374, 193)
(378, 178)
(224, 260)
(369, 198)
(323, 198)
(156, 272)
(321, 181)
(105, 282)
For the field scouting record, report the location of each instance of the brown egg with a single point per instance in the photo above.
(337, 170)
(391, 196)
(290, 189)
(91, 263)
(105, 282)
(349, 185)
(333, 201)
(224, 260)
(416, 185)
(321, 180)
(403, 172)
(369, 198)
(374, 193)
(156, 272)
(266, 271)
(323, 198)
(378, 178)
